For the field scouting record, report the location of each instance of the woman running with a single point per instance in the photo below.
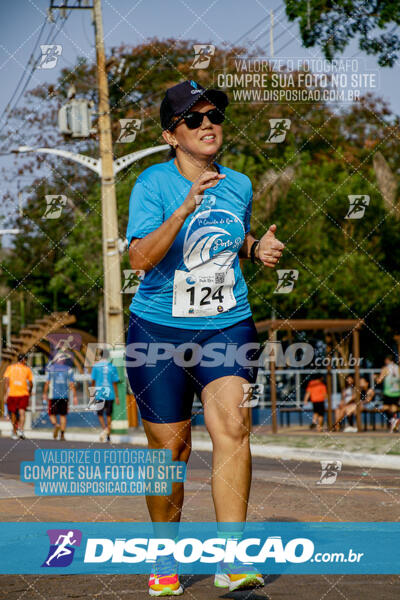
(189, 223)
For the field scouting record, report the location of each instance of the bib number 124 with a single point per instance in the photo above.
(202, 294)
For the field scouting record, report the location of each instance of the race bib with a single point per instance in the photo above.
(203, 294)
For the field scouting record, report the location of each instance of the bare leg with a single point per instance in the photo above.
(102, 423)
(63, 423)
(109, 424)
(14, 421)
(339, 414)
(320, 422)
(229, 427)
(53, 420)
(21, 422)
(176, 437)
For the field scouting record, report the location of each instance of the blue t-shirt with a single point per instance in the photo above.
(104, 374)
(59, 376)
(199, 283)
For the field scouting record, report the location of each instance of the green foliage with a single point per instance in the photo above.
(347, 268)
(332, 25)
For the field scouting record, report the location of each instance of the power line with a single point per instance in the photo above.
(8, 107)
(34, 63)
(250, 31)
(285, 45)
(26, 66)
(277, 37)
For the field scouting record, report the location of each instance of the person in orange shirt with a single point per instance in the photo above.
(18, 378)
(316, 392)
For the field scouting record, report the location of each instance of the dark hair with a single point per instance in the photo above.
(171, 153)
(390, 357)
(104, 353)
(21, 357)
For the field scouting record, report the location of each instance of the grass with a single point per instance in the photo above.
(368, 443)
(355, 442)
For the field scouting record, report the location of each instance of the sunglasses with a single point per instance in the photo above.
(195, 118)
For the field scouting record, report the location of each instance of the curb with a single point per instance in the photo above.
(373, 461)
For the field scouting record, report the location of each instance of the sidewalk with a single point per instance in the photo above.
(378, 450)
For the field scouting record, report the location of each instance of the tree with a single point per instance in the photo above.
(331, 25)
(347, 268)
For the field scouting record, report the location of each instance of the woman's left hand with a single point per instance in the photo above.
(269, 249)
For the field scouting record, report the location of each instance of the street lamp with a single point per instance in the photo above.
(113, 313)
(94, 164)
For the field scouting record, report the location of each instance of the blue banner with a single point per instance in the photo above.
(110, 472)
(272, 548)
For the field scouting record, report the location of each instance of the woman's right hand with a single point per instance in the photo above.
(145, 253)
(194, 198)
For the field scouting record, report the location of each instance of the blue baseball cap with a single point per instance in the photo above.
(180, 98)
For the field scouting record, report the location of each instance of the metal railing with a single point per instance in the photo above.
(290, 387)
(291, 384)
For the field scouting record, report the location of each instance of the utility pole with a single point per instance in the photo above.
(113, 314)
(111, 260)
(8, 323)
(271, 34)
(106, 168)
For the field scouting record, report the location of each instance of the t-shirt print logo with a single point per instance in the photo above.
(62, 547)
(213, 238)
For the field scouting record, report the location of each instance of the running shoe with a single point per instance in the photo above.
(21, 434)
(103, 435)
(165, 581)
(394, 423)
(231, 576)
(55, 431)
(313, 425)
(108, 438)
(14, 436)
(62, 437)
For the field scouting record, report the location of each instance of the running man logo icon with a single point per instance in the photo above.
(202, 55)
(252, 393)
(329, 471)
(132, 281)
(357, 206)
(50, 54)
(62, 547)
(97, 397)
(54, 206)
(63, 345)
(279, 129)
(129, 129)
(286, 280)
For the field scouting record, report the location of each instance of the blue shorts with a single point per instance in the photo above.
(166, 365)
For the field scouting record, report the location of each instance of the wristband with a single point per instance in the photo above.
(253, 251)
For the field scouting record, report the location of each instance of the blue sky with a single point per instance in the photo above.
(134, 21)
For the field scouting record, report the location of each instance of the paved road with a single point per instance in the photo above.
(281, 491)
